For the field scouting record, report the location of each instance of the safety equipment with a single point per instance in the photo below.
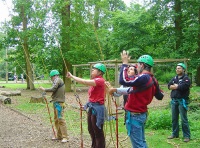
(182, 65)
(100, 67)
(53, 73)
(147, 59)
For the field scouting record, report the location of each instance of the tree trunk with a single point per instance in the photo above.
(96, 14)
(198, 52)
(178, 24)
(67, 80)
(29, 74)
(199, 31)
(65, 44)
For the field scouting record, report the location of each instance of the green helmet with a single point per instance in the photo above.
(53, 73)
(100, 67)
(182, 65)
(147, 59)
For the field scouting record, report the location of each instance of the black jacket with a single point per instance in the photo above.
(183, 89)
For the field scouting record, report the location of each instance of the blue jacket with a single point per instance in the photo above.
(99, 111)
(183, 89)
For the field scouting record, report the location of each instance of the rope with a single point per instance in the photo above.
(81, 116)
(116, 109)
(107, 75)
(43, 95)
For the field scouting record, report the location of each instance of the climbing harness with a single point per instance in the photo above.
(181, 101)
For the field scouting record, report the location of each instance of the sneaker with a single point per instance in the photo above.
(172, 137)
(186, 139)
(64, 140)
(55, 139)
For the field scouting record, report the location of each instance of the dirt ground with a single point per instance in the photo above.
(19, 131)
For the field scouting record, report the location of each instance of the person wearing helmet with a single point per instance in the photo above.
(131, 72)
(95, 105)
(138, 97)
(180, 90)
(58, 99)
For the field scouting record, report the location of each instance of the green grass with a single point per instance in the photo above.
(22, 85)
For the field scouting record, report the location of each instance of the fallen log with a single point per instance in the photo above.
(16, 93)
(10, 93)
(5, 99)
(35, 99)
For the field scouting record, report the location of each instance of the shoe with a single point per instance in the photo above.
(64, 140)
(172, 137)
(55, 139)
(186, 139)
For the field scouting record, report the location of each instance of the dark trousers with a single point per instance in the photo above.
(178, 108)
(97, 135)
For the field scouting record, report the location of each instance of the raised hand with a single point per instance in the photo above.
(125, 57)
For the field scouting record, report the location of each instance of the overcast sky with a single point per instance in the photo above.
(5, 7)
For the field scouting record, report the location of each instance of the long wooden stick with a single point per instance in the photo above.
(43, 94)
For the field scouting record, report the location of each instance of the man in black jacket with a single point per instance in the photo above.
(180, 86)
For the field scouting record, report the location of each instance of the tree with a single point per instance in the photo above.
(178, 23)
(29, 72)
(25, 36)
(198, 50)
(65, 43)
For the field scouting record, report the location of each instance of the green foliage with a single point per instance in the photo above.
(164, 78)
(194, 94)
(164, 72)
(159, 119)
(99, 30)
(110, 75)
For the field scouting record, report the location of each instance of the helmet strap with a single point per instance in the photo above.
(145, 67)
(100, 73)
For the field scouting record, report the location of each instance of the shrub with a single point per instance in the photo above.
(159, 119)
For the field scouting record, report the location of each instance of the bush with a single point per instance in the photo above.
(165, 77)
(159, 119)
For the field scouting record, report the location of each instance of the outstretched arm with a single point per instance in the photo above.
(80, 80)
(116, 91)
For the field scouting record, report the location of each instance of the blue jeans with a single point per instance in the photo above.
(135, 126)
(178, 107)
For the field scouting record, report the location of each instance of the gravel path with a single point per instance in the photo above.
(20, 131)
